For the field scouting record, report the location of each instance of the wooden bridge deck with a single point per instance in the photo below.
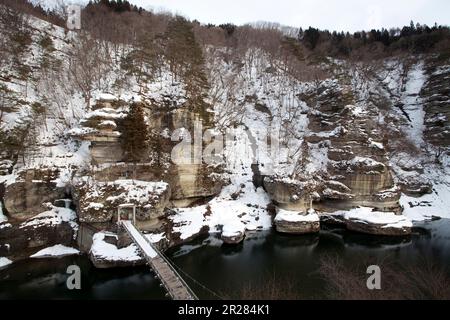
(169, 277)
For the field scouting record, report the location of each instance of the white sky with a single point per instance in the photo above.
(346, 15)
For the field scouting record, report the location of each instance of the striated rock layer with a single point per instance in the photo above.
(188, 181)
(30, 192)
(296, 223)
(99, 201)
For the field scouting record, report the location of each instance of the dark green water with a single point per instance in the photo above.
(226, 270)
(46, 279)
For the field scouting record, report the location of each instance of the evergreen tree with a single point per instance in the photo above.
(134, 134)
(311, 37)
(229, 28)
(186, 60)
(9, 101)
(144, 60)
(301, 33)
(385, 37)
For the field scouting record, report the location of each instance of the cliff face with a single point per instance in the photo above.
(103, 128)
(368, 139)
(343, 161)
(435, 97)
(33, 188)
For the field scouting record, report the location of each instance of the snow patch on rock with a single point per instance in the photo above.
(53, 216)
(3, 218)
(4, 262)
(58, 250)
(233, 229)
(293, 216)
(386, 219)
(106, 251)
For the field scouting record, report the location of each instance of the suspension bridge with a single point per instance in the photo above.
(169, 277)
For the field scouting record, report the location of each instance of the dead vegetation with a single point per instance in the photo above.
(416, 281)
(271, 287)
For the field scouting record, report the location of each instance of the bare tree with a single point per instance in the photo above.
(86, 66)
(422, 280)
(223, 92)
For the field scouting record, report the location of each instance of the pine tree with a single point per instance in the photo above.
(311, 37)
(145, 59)
(134, 134)
(186, 60)
(9, 101)
(229, 28)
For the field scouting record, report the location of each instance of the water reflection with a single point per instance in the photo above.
(46, 279)
(227, 269)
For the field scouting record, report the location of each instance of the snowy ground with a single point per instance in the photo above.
(239, 207)
(103, 250)
(419, 167)
(233, 229)
(248, 210)
(412, 104)
(386, 219)
(428, 206)
(58, 250)
(155, 237)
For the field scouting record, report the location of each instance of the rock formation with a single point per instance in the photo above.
(33, 188)
(99, 201)
(296, 223)
(188, 182)
(51, 227)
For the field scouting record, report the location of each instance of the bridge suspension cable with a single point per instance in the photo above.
(193, 279)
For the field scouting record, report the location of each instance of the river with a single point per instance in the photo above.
(262, 260)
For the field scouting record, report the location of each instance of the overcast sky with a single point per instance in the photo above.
(347, 15)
